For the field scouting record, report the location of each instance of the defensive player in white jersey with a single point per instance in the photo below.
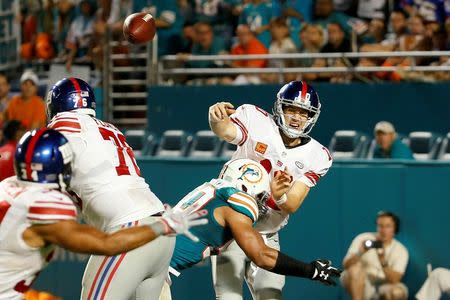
(280, 142)
(112, 194)
(36, 215)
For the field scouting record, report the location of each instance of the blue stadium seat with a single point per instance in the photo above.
(444, 152)
(150, 143)
(205, 144)
(348, 144)
(228, 150)
(174, 143)
(135, 139)
(424, 144)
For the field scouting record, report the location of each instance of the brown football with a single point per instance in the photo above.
(139, 28)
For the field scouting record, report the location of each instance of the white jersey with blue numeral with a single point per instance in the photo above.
(105, 176)
(23, 204)
(261, 141)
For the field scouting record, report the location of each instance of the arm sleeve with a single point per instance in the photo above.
(244, 204)
(322, 163)
(354, 246)
(70, 127)
(50, 208)
(240, 120)
(65, 124)
(70, 42)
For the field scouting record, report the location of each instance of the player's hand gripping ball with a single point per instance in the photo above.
(139, 28)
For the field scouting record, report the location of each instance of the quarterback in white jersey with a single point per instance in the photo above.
(281, 143)
(36, 215)
(112, 194)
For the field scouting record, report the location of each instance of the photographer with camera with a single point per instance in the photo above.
(376, 261)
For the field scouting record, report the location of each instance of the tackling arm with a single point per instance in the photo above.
(87, 239)
(272, 260)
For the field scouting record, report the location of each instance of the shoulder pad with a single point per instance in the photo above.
(243, 203)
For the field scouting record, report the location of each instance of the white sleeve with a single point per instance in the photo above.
(354, 246)
(48, 208)
(70, 127)
(240, 120)
(114, 14)
(320, 167)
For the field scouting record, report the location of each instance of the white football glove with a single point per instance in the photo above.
(180, 222)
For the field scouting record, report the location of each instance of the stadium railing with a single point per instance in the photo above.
(346, 56)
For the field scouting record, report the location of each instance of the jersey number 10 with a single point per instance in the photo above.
(122, 149)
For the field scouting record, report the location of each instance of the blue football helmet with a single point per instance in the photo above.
(69, 94)
(44, 156)
(302, 95)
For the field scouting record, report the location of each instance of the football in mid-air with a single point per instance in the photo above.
(139, 28)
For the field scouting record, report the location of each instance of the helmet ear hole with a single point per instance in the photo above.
(244, 188)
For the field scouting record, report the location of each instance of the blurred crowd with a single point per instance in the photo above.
(72, 32)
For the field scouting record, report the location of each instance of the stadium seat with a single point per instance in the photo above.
(205, 144)
(227, 150)
(150, 143)
(424, 144)
(444, 152)
(347, 144)
(135, 138)
(174, 143)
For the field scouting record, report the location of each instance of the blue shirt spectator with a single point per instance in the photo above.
(297, 12)
(205, 44)
(388, 143)
(257, 15)
(324, 14)
(169, 21)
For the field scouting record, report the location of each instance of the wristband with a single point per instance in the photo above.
(159, 228)
(282, 200)
(239, 135)
(286, 265)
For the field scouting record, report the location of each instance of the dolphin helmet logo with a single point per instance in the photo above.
(250, 173)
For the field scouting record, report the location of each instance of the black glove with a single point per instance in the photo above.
(324, 272)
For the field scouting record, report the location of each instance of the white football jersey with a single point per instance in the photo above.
(23, 204)
(262, 142)
(105, 175)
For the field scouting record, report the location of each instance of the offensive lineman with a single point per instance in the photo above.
(36, 215)
(282, 145)
(232, 213)
(111, 193)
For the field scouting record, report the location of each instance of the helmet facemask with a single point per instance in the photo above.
(283, 120)
(261, 200)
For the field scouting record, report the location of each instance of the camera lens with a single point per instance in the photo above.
(368, 243)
